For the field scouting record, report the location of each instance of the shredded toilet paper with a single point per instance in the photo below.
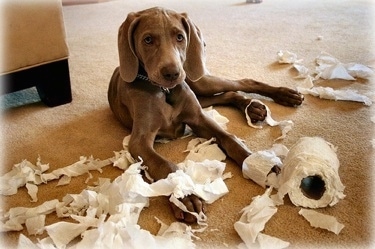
(30, 175)
(253, 220)
(216, 116)
(287, 57)
(331, 68)
(331, 94)
(321, 220)
(328, 67)
(106, 215)
(201, 149)
(285, 125)
(258, 165)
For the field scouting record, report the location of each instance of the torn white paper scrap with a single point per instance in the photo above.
(258, 165)
(24, 242)
(336, 71)
(177, 228)
(286, 57)
(123, 159)
(319, 220)
(216, 116)
(307, 83)
(359, 71)
(326, 59)
(266, 241)
(122, 234)
(67, 229)
(253, 220)
(331, 94)
(203, 172)
(331, 68)
(35, 225)
(17, 216)
(21, 173)
(285, 125)
(32, 190)
(84, 165)
(303, 72)
(310, 174)
(201, 149)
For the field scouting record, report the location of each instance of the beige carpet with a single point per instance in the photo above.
(242, 42)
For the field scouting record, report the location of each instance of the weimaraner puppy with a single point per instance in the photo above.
(162, 84)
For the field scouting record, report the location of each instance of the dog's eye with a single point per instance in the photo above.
(180, 37)
(148, 40)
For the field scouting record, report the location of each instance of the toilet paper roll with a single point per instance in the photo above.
(310, 174)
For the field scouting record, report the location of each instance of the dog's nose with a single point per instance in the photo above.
(170, 73)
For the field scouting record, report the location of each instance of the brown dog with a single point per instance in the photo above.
(162, 85)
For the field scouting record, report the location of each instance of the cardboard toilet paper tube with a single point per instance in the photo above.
(310, 174)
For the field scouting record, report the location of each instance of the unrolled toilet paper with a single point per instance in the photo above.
(310, 174)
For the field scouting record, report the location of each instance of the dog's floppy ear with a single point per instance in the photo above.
(128, 60)
(194, 65)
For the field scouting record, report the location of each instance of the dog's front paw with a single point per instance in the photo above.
(193, 204)
(256, 111)
(288, 97)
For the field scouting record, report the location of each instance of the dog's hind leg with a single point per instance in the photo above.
(256, 111)
(210, 85)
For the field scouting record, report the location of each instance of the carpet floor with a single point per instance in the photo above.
(242, 41)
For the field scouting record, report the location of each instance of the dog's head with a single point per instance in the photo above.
(165, 43)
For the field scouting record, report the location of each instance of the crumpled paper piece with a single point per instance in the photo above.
(201, 149)
(303, 71)
(331, 94)
(216, 116)
(253, 220)
(328, 67)
(22, 173)
(17, 216)
(287, 57)
(285, 125)
(258, 165)
(323, 221)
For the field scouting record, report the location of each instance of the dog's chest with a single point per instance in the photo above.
(175, 108)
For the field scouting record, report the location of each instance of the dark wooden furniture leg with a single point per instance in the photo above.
(52, 81)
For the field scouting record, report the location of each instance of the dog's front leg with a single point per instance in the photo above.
(205, 127)
(141, 145)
